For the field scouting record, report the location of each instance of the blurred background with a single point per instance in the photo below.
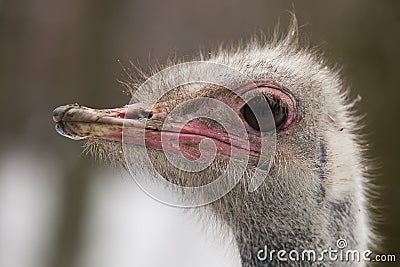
(61, 208)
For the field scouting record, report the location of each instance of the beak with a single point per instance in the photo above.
(78, 122)
(140, 125)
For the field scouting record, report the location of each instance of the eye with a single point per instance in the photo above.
(257, 107)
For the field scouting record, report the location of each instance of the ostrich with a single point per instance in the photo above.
(316, 190)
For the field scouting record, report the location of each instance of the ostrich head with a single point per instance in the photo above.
(314, 193)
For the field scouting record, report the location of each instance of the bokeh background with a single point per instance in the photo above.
(60, 208)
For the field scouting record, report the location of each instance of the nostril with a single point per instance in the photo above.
(138, 114)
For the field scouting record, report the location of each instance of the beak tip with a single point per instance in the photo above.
(59, 112)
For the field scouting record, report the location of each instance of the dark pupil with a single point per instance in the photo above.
(257, 105)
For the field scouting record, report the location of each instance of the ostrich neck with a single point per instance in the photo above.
(286, 221)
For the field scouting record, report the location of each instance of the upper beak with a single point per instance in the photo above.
(78, 122)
